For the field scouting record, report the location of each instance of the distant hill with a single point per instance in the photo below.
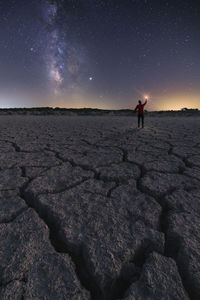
(93, 112)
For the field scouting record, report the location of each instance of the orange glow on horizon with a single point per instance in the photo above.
(176, 102)
(155, 103)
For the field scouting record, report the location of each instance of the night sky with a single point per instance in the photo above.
(97, 53)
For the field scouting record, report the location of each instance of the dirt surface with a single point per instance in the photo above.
(94, 208)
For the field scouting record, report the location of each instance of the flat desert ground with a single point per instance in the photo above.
(94, 208)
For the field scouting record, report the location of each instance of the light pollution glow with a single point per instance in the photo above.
(80, 99)
(171, 102)
(176, 102)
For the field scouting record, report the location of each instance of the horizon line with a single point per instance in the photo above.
(93, 108)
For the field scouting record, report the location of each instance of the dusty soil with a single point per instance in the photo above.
(93, 208)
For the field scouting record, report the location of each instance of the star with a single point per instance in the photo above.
(90, 78)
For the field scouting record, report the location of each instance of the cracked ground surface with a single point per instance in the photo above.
(93, 208)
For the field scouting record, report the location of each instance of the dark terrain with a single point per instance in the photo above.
(93, 208)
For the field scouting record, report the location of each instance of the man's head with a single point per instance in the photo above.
(139, 102)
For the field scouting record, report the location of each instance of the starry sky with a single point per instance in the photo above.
(100, 53)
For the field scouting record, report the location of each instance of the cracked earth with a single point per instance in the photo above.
(93, 208)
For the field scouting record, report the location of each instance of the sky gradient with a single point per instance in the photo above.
(104, 54)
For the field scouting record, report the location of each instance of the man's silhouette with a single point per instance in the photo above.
(140, 109)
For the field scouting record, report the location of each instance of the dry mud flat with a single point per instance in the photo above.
(93, 208)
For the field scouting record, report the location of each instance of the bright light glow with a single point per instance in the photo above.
(176, 101)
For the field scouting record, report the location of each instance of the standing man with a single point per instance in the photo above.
(140, 109)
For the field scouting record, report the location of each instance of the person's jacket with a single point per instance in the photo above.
(140, 108)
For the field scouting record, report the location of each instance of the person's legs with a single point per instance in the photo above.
(142, 121)
(138, 120)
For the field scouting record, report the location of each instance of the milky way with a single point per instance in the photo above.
(55, 48)
(63, 60)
